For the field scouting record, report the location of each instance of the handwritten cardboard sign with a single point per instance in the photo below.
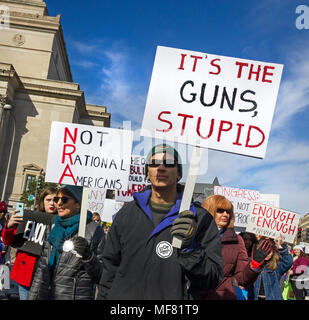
(137, 179)
(272, 222)
(96, 200)
(242, 200)
(90, 156)
(211, 101)
(30, 234)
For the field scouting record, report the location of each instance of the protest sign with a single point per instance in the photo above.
(242, 200)
(30, 234)
(89, 156)
(137, 179)
(305, 245)
(211, 101)
(272, 222)
(111, 207)
(270, 199)
(96, 200)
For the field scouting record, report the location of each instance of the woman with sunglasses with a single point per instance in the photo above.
(70, 265)
(26, 263)
(238, 270)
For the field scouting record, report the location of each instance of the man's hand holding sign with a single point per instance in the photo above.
(210, 101)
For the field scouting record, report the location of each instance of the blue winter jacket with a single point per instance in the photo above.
(272, 278)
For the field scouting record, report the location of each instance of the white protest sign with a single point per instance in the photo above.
(242, 200)
(272, 222)
(270, 199)
(4, 277)
(96, 200)
(211, 101)
(89, 156)
(111, 207)
(137, 179)
(305, 245)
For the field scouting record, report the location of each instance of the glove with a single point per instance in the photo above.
(82, 248)
(260, 251)
(184, 228)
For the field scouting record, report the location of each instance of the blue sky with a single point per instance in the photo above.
(111, 46)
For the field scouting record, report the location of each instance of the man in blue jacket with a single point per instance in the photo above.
(139, 260)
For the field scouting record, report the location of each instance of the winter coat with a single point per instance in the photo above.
(72, 278)
(300, 266)
(236, 266)
(141, 264)
(25, 263)
(271, 279)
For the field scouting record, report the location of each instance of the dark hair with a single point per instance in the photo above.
(251, 235)
(44, 193)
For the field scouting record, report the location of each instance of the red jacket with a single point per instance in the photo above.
(300, 266)
(236, 268)
(22, 270)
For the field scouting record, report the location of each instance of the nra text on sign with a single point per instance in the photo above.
(94, 157)
(211, 101)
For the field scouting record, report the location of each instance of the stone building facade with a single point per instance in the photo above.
(36, 88)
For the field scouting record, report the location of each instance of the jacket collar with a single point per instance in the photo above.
(229, 235)
(142, 198)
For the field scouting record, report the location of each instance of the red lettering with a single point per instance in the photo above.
(248, 137)
(241, 65)
(195, 61)
(265, 73)
(216, 66)
(257, 73)
(65, 153)
(183, 55)
(223, 129)
(255, 206)
(67, 132)
(289, 218)
(238, 134)
(163, 120)
(210, 129)
(259, 220)
(64, 174)
(185, 116)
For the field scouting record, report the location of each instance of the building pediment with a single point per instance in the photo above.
(32, 167)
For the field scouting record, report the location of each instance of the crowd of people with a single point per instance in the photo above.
(134, 258)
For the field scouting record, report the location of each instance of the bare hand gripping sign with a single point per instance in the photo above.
(89, 156)
(211, 101)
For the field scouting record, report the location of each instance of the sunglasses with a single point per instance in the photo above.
(155, 163)
(64, 200)
(222, 211)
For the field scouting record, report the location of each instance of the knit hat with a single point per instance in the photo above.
(298, 247)
(3, 207)
(164, 148)
(76, 192)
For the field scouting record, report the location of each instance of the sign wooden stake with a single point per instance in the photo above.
(83, 212)
(189, 186)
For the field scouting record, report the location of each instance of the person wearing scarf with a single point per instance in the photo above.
(69, 274)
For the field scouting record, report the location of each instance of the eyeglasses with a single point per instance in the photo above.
(155, 163)
(64, 200)
(220, 210)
